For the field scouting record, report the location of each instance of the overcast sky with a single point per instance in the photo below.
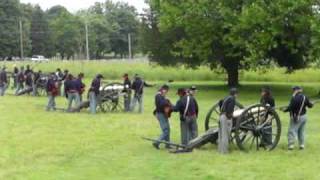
(74, 5)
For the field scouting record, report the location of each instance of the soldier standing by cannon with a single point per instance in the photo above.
(52, 91)
(162, 113)
(138, 86)
(36, 79)
(268, 101)
(71, 90)
(187, 106)
(298, 117)
(20, 80)
(127, 90)
(3, 81)
(225, 121)
(14, 76)
(79, 81)
(94, 93)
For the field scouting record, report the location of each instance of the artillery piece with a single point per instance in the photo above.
(255, 127)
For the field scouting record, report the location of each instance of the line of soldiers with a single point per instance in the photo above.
(188, 108)
(74, 88)
(23, 80)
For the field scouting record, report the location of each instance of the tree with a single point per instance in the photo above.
(237, 34)
(124, 21)
(66, 31)
(40, 34)
(9, 28)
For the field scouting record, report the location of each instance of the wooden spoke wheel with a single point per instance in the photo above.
(258, 127)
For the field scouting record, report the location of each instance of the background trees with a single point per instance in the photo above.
(233, 34)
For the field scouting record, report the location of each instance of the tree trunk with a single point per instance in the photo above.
(233, 73)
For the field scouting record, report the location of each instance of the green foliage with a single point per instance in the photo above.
(9, 28)
(236, 34)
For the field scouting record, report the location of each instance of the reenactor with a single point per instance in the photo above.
(127, 90)
(227, 106)
(15, 75)
(29, 80)
(71, 90)
(3, 81)
(28, 70)
(36, 79)
(52, 91)
(187, 106)
(162, 113)
(138, 86)
(298, 117)
(94, 92)
(59, 78)
(268, 101)
(20, 80)
(80, 83)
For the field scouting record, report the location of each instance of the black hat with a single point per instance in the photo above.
(233, 91)
(295, 88)
(100, 76)
(165, 87)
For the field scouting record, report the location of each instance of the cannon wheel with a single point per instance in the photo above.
(259, 127)
(212, 118)
(111, 101)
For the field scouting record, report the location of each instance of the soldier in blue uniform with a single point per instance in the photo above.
(20, 80)
(268, 101)
(188, 108)
(127, 90)
(71, 89)
(162, 114)
(3, 81)
(298, 117)
(80, 83)
(138, 88)
(94, 92)
(52, 91)
(227, 106)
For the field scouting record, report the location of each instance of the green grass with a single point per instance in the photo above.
(115, 69)
(35, 144)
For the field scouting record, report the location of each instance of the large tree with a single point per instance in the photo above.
(66, 30)
(236, 34)
(40, 33)
(9, 28)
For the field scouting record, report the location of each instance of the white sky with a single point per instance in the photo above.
(74, 5)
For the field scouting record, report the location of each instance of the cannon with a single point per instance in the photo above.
(111, 97)
(254, 128)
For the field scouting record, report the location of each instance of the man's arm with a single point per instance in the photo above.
(147, 85)
(289, 108)
(308, 103)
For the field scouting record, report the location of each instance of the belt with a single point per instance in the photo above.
(72, 91)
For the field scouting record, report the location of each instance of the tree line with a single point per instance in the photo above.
(230, 35)
(58, 33)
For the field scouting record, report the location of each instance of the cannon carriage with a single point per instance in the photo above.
(111, 97)
(256, 127)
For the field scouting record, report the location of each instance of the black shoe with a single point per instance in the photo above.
(155, 145)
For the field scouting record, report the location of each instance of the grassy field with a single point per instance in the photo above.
(40, 145)
(115, 69)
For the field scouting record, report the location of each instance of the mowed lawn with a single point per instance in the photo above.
(35, 144)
